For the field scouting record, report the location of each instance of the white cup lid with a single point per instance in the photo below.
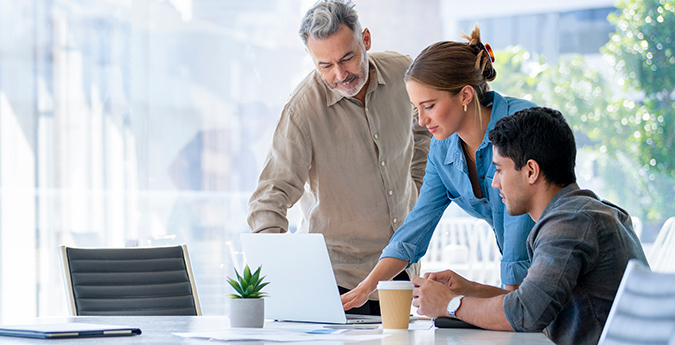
(395, 285)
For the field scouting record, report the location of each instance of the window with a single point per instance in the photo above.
(146, 122)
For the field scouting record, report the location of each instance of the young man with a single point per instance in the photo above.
(347, 145)
(579, 246)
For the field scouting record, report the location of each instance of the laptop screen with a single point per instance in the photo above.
(302, 283)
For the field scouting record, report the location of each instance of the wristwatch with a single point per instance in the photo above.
(454, 304)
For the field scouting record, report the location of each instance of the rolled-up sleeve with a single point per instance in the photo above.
(515, 260)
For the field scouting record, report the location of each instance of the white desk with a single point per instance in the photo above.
(159, 329)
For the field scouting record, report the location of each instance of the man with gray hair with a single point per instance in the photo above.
(347, 146)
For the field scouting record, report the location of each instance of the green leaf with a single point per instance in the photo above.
(235, 285)
(248, 291)
(262, 286)
(244, 284)
(247, 273)
(254, 278)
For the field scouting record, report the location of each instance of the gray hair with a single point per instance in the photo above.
(326, 17)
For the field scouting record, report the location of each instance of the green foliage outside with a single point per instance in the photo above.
(621, 106)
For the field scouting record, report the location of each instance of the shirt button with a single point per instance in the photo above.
(395, 220)
(376, 136)
(391, 192)
(382, 163)
(480, 156)
(482, 177)
(485, 201)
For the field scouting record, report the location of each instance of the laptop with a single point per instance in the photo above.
(302, 284)
(67, 330)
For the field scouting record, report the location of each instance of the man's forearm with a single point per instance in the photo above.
(484, 291)
(486, 313)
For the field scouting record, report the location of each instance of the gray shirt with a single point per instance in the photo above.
(579, 250)
(357, 164)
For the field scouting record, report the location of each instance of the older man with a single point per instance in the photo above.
(347, 143)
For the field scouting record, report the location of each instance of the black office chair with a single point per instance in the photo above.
(129, 281)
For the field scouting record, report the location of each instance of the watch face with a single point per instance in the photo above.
(453, 305)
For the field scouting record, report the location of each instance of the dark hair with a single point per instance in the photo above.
(541, 134)
(452, 65)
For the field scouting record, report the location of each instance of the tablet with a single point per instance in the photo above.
(447, 322)
(67, 330)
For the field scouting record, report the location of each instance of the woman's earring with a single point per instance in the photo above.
(465, 108)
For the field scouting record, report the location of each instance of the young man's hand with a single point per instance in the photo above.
(430, 297)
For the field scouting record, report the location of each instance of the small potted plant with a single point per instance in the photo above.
(247, 307)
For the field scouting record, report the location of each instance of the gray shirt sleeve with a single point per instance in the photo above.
(563, 245)
(422, 138)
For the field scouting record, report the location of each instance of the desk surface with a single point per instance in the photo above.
(159, 329)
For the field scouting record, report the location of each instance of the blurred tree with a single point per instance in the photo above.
(623, 117)
(641, 52)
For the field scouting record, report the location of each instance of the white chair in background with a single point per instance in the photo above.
(449, 248)
(486, 261)
(466, 246)
(643, 311)
(661, 257)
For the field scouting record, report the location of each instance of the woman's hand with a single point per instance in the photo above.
(355, 298)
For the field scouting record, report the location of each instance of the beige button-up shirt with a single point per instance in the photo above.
(357, 165)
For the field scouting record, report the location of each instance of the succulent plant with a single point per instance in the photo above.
(248, 285)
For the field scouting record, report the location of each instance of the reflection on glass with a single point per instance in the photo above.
(146, 122)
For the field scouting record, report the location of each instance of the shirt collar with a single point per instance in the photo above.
(376, 79)
(564, 191)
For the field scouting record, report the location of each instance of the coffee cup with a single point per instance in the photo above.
(395, 301)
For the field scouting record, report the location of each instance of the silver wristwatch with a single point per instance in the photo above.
(454, 304)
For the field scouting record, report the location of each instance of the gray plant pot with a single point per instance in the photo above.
(247, 312)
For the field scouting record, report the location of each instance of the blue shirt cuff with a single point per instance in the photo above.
(514, 272)
(400, 250)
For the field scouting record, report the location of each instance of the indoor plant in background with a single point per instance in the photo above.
(247, 306)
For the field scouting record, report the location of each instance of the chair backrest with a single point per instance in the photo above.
(487, 257)
(662, 255)
(643, 311)
(129, 281)
(466, 246)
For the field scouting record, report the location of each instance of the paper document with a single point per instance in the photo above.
(280, 335)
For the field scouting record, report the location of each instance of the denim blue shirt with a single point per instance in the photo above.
(447, 180)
